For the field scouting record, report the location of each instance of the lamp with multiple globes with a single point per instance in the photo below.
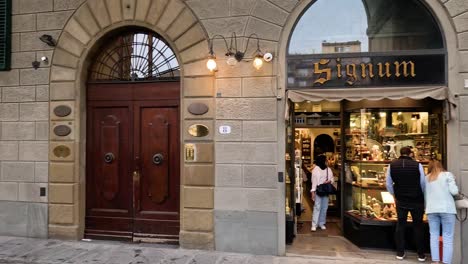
(233, 55)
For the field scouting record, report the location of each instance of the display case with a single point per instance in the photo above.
(306, 150)
(373, 138)
(317, 119)
(289, 179)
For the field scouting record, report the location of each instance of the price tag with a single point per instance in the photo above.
(225, 130)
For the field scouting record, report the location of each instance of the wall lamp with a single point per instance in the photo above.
(234, 55)
(36, 64)
(47, 39)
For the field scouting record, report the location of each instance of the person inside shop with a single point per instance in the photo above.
(406, 182)
(440, 209)
(321, 174)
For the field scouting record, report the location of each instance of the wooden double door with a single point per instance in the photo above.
(132, 181)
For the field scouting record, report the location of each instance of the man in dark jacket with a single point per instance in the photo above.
(406, 182)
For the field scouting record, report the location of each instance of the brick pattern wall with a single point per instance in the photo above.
(247, 194)
(24, 108)
(458, 11)
(232, 187)
(24, 115)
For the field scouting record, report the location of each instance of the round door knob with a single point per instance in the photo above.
(158, 158)
(109, 157)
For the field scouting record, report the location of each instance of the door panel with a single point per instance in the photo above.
(155, 143)
(109, 151)
(157, 196)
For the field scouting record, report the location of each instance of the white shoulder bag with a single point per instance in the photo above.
(461, 203)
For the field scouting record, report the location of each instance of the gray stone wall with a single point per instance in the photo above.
(24, 115)
(248, 200)
(457, 11)
(248, 197)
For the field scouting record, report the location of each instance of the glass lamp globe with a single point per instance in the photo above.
(258, 63)
(231, 61)
(211, 64)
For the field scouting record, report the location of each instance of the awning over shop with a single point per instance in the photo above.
(369, 93)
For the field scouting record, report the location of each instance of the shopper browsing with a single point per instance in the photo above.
(406, 181)
(440, 209)
(321, 174)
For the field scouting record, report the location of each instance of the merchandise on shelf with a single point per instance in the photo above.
(373, 140)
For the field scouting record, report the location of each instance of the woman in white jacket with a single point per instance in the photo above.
(440, 209)
(320, 174)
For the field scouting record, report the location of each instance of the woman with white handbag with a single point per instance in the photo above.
(440, 209)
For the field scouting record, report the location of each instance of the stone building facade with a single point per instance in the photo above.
(230, 197)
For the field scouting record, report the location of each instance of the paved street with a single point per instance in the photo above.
(40, 251)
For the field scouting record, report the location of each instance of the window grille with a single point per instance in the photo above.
(135, 56)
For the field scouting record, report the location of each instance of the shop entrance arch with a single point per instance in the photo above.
(132, 150)
(368, 84)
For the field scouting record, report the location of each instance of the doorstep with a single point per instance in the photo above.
(327, 247)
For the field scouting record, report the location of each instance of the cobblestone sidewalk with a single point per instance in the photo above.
(41, 251)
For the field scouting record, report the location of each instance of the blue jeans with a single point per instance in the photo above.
(448, 227)
(319, 217)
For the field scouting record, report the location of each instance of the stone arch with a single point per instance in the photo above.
(448, 15)
(438, 9)
(442, 12)
(90, 23)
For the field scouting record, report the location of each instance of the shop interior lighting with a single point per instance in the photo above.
(234, 55)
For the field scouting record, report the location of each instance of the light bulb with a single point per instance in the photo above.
(211, 64)
(231, 61)
(258, 62)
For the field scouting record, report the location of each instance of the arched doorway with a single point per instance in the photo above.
(377, 30)
(132, 150)
(322, 144)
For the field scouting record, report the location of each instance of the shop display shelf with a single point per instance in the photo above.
(368, 233)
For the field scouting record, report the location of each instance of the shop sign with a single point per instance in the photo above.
(304, 71)
(322, 69)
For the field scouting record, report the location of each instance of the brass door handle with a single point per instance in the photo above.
(136, 180)
(136, 176)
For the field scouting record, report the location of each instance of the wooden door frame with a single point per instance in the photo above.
(68, 86)
(162, 94)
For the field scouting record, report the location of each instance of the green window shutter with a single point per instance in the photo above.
(5, 34)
